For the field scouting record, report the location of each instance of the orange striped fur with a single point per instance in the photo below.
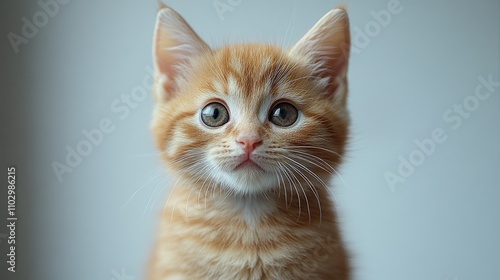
(251, 200)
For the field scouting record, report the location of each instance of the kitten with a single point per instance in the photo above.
(252, 133)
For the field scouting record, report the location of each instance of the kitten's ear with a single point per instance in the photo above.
(326, 46)
(174, 45)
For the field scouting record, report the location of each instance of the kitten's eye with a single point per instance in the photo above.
(214, 114)
(283, 114)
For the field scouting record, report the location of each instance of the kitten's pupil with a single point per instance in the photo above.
(215, 114)
(282, 113)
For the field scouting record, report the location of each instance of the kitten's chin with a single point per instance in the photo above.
(249, 178)
(248, 166)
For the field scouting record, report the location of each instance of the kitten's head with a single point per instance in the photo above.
(251, 117)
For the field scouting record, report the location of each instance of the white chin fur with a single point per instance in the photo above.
(248, 181)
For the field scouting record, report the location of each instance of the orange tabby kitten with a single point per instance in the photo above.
(252, 133)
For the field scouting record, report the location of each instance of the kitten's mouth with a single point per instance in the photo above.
(248, 164)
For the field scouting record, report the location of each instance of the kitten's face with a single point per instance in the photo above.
(251, 118)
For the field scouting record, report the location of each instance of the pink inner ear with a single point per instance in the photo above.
(167, 69)
(327, 46)
(171, 56)
(175, 44)
(336, 73)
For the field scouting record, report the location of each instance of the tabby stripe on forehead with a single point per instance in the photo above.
(236, 64)
(251, 77)
(219, 87)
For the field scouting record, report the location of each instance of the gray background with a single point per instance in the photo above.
(442, 222)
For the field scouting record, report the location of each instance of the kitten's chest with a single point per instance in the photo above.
(240, 251)
(239, 247)
(238, 239)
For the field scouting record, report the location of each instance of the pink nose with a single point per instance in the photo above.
(249, 142)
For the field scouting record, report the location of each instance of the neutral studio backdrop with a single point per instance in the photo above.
(420, 191)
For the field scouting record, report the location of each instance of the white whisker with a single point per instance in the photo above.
(153, 175)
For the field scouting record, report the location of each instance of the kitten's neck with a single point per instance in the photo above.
(301, 205)
(253, 208)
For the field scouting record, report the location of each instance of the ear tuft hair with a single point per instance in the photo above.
(326, 46)
(175, 44)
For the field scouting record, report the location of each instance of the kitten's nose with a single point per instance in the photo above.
(248, 142)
